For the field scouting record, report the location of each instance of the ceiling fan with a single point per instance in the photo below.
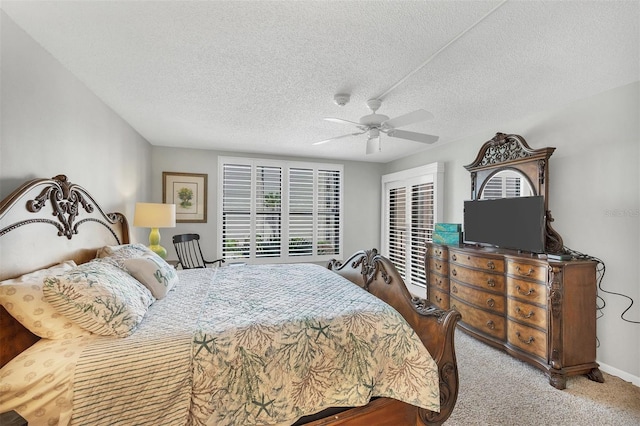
(375, 124)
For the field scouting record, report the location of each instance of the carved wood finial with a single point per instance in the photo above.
(371, 265)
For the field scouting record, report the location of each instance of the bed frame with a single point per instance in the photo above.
(46, 221)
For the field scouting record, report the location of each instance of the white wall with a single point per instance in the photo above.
(361, 195)
(594, 196)
(52, 124)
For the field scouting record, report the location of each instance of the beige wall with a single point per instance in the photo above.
(52, 124)
(594, 197)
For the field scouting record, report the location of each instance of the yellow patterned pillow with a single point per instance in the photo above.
(23, 298)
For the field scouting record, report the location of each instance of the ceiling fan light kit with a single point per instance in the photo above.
(374, 124)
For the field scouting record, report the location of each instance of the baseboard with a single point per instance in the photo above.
(619, 373)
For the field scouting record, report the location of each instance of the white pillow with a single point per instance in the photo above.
(144, 265)
(99, 297)
(23, 298)
(152, 271)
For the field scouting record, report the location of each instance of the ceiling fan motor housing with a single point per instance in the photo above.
(373, 120)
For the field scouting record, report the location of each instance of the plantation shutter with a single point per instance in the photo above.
(274, 211)
(422, 222)
(268, 211)
(412, 205)
(236, 211)
(329, 218)
(397, 225)
(301, 217)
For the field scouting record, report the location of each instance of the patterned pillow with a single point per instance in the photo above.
(99, 297)
(145, 266)
(118, 254)
(23, 298)
(152, 271)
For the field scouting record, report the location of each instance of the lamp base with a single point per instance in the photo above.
(154, 243)
(159, 250)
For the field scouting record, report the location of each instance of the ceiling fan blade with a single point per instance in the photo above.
(406, 119)
(373, 145)
(337, 137)
(412, 136)
(340, 120)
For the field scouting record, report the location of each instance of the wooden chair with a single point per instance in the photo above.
(189, 253)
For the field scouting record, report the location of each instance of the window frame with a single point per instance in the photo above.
(285, 167)
(434, 173)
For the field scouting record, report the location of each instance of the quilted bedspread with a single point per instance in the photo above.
(243, 345)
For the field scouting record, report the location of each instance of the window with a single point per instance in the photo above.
(275, 211)
(412, 204)
(506, 184)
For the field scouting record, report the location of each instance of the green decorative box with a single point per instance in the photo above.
(448, 227)
(447, 237)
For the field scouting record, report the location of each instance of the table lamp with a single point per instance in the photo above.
(154, 216)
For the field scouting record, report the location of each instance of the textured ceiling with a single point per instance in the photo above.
(259, 76)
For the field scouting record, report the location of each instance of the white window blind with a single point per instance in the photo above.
(504, 185)
(273, 211)
(412, 205)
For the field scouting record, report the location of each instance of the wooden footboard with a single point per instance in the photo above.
(434, 326)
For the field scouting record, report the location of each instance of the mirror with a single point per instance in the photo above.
(506, 166)
(506, 183)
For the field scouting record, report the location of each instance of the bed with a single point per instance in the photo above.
(250, 344)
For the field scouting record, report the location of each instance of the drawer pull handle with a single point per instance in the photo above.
(438, 299)
(439, 283)
(528, 293)
(438, 252)
(491, 325)
(438, 266)
(491, 303)
(523, 315)
(491, 282)
(454, 289)
(526, 342)
(453, 257)
(526, 274)
(454, 273)
(491, 265)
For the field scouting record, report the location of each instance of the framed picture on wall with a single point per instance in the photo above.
(188, 191)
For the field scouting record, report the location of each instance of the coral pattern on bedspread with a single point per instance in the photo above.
(245, 345)
(274, 341)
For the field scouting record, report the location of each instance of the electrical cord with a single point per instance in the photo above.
(600, 271)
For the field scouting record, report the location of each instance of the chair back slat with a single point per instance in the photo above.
(189, 252)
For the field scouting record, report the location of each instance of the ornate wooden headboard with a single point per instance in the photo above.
(44, 222)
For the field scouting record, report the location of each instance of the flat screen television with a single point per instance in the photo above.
(513, 223)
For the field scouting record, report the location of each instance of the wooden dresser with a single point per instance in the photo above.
(542, 312)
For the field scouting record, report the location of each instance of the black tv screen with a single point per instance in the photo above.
(514, 223)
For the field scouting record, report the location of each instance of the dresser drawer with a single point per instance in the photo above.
(527, 270)
(438, 265)
(439, 298)
(529, 314)
(488, 263)
(528, 339)
(438, 251)
(479, 298)
(527, 291)
(436, 280)
(486, 322)
(485, 280)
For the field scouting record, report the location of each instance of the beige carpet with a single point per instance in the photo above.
(497, 389)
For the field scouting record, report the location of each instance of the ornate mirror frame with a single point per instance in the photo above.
(511, 152)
